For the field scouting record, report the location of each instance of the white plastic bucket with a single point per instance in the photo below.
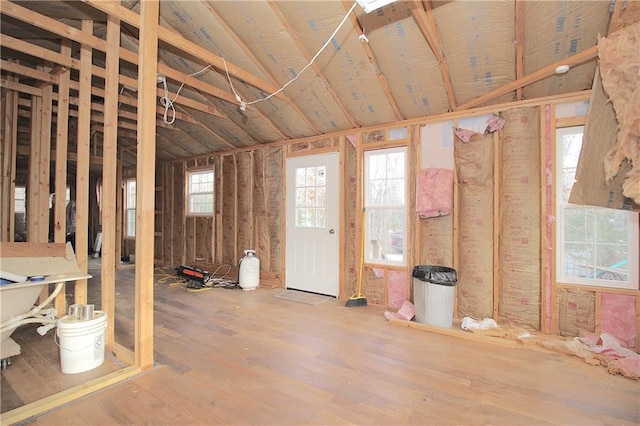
(81, 342)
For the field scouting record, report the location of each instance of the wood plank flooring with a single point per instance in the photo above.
(236, 357)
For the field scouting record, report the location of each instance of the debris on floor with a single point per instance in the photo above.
(406, 312)
(469, 323)
(603, 349)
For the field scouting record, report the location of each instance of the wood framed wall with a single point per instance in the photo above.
(260, 169)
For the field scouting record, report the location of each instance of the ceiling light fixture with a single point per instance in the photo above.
(371, 5)
(561, 69)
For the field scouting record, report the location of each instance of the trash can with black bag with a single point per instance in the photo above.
(434, 294)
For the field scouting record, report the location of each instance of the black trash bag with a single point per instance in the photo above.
(442, 275)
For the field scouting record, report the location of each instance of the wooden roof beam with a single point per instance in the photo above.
(176, 40)
(49, 55)
(308, 57)
(66, 31)
(544, 72)
(519, 45)
(372, 60)
(257, 63)
(427, 24)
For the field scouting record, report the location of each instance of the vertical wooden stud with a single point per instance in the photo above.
(9, 119)
(145, 182)
(44, 171)
(497, 176)
(62, 148)
(456, 225)
(119, 217)
(82, 170)
(554, 326)
(33, 182)
(109, 175)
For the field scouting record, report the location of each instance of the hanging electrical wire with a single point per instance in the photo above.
(167, 103)
(243, 104)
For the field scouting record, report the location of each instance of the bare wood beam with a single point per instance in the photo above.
(9, 119)
(262, 68)
(109, 183)
(519, 45)
(316, 68)
(427, 24)
(59, 28)
(374, 63)
(62, 145)
(33, 188)
(176, 40)
(44, 171)
(37, 51)
(579, 58)
(28, 72)
(82, 166)
(19, 87)
(145, 183)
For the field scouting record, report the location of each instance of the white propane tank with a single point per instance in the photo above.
(249, 275)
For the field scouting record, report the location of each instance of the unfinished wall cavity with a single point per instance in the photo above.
(519, 218)
(474, 165)
(247, 213)
(499, 223)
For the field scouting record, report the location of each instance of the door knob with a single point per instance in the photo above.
(332, 231)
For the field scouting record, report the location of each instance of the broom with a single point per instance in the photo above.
(359, 299)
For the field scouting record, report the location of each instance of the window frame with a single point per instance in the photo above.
(369, 209)
(561, 208)
(189, 194)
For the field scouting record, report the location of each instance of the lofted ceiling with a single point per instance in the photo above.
(241, 73)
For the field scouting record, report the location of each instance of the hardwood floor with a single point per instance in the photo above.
(235, 357)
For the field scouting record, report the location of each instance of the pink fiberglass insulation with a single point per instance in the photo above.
(619, 317)
(434, 192)
(397, 289)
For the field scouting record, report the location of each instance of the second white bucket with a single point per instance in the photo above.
(81, 342)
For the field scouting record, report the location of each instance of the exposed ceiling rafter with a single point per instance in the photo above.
(178, 41)
(316, 68)
(426, 23)
(579, 58)
(262, 68)
(372, 59)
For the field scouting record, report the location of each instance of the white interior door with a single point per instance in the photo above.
(312, 223)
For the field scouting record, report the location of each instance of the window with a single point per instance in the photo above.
(385, 205)
(21, 199)
(596, 246)
(311, 197)
(130, 219)
(200, 192)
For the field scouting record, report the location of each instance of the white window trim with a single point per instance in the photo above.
(188, 193)
(368, 209)
(633, 244)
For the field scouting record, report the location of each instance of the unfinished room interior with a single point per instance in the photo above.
(319, 212)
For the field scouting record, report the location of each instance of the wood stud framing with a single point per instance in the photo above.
(142, 128)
